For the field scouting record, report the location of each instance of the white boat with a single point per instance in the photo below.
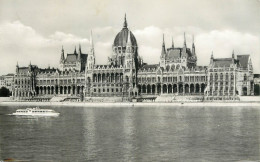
(36, 112)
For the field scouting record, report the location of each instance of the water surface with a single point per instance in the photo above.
(133, 134)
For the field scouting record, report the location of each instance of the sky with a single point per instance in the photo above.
(35, 31)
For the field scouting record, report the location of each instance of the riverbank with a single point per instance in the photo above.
(134, 104)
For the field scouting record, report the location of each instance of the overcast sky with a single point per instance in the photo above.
(36, 30)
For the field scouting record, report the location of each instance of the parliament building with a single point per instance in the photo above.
(126, 77)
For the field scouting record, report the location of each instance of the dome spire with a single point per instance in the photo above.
(125, 22)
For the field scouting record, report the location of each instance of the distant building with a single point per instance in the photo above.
(2, 81)
(127, 76)
(7, 81)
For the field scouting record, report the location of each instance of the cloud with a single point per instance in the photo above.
(222, 42)
(66, 38)
(22, 43)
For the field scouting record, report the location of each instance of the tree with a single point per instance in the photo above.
(257, 89)
(4, 92)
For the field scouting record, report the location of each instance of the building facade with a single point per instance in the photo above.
(7, 81)
(127, 76)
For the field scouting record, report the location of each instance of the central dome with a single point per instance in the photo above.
(122, 36)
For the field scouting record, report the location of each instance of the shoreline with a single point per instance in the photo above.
(132, 104)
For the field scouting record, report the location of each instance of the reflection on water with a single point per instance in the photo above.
(133, 134)
(128, 143)
(89, 134)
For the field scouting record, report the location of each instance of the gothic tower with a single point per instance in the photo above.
(62, 60)
(163, 55)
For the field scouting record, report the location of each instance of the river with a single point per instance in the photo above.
(132, 134)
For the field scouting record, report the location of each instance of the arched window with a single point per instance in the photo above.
(226, 76)
(232, 76)
(221, 76)
(245, 78)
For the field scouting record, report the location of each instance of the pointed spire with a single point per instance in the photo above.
(211, 58)
(79, 49)
(125, 22)
(193, 46)
(75, 51)
(17, 64)
(184, 40)
(163, 53)
(30, 63)
(91, 40)
(193, 41)
(163, 41)
(91, 43)
(233, 54)
(62, 58)
(172, 43)
(79, 56)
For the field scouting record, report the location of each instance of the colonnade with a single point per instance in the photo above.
(185, 89)
(58, 90)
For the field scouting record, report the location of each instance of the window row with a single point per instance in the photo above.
(107, 90)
